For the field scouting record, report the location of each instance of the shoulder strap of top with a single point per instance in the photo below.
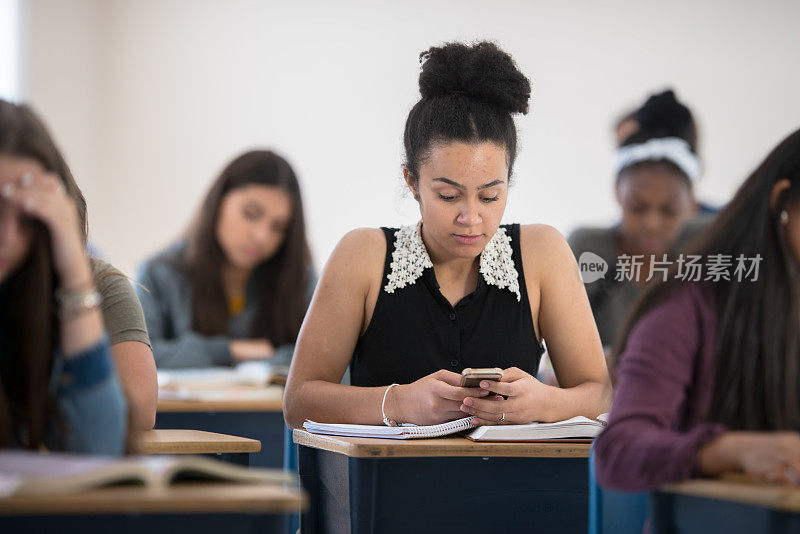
(388, 233)
(512, 230)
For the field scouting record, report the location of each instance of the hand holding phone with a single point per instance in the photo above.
(471, 377)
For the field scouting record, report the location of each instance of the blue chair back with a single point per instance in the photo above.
(615, 512)
(290, 464)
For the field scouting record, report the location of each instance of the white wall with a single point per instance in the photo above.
(150, 98)
(10, 49)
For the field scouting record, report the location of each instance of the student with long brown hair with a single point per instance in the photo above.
(707, 372)
(58, 388)
(237, 287)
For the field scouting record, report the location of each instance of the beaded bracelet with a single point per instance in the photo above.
(72, 303)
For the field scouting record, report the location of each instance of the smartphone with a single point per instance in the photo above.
(470, 377)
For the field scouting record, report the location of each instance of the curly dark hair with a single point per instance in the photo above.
(663, 115)
(469, 93)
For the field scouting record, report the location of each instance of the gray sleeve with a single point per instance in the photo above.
(283, 355)
(577, 241)
(312, 285)
(173, 348)
(122, 312)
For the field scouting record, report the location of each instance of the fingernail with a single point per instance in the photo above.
(7, 190)
(26, 179)
(468, 401)
(485, 385)
(464, 408)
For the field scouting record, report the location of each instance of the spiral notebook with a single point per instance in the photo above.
(405, 431)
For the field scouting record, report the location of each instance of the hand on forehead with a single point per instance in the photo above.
(12, 169)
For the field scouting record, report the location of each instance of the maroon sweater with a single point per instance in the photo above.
(665, 381)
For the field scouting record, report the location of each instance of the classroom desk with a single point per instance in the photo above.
(197, 508)
(229, 448)
(255, 414)
(447, 484)
(730, 506)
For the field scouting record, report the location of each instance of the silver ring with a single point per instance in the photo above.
(502, 418)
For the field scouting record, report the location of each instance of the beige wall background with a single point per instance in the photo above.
(150, 98)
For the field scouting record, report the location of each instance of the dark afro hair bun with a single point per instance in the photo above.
(662, 113)
(481, 71)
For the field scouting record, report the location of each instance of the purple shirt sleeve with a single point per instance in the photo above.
(648, 441)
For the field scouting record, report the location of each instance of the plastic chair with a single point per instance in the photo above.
(290, 464)
(615, 512)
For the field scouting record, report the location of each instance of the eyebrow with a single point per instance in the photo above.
(461, 186)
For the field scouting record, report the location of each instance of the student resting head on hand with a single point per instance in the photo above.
(709, 362)
(407, 309)
(58, 388)
(237, 287)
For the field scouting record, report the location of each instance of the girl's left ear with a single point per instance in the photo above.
(412, 186)
(780, 187)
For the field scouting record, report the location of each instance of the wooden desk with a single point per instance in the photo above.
(231, 448)
(445, 484)
(190, 507)
(248, 412)
(704, 506)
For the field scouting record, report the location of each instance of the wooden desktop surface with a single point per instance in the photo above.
(742, 490)
(444, 446)
(223, 399)
(193, 442)
(190, 497)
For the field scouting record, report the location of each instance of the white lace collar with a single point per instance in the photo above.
(410, 258)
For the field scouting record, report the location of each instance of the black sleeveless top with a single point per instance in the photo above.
(415, 331)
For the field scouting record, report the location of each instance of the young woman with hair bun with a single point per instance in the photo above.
(407, 309)
(657, 167)
(708, 371)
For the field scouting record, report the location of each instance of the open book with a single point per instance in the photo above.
(405, 431)
(580, 428)
(253, 374)
(229, 394)
(34, 473)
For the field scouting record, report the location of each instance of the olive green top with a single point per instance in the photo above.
(122, 312)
